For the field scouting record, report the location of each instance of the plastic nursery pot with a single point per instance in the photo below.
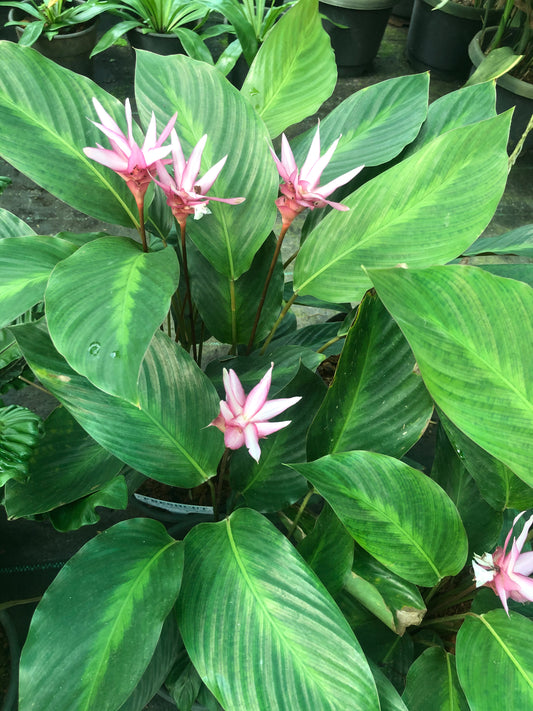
(438, 39)
(156, 42)
(510, 92)
(356, 28)
(71, 50)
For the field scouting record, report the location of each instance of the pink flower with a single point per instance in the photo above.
(185, 194)
(507, 573)
(243, 418)
(301, 189)
(125, 157)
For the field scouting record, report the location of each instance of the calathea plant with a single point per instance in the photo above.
(335, 574)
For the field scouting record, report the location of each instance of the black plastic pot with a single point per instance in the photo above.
(510, 92)
(155, 42)
(70, 50)
(356, 28)
(438, 39)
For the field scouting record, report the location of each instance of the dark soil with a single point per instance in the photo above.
(5, 664)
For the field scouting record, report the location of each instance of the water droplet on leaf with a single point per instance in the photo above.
(94, 349)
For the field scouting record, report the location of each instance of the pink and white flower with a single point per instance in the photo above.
(301, 189)
(507, 573)
(185, 194)
(244, 418)
(133, 163)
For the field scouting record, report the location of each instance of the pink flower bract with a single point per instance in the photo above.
(125, 157)
(507, 573)
(300, 189)
(244, 418)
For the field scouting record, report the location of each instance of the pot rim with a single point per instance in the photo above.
(361, 4)
(466, 11)
(91, 24)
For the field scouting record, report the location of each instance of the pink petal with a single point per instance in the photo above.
(266, 428)
(150, 139)
(524, 564)
(230, 201)
(136, 158)
(251, 439)
(235, 395)
(501, 592)
(129, 122)
(274, 407)
(166, 131)
(209, 178)
(177, 157)
(105, 118)
(328, 188)
(523, 536)
(523, 591)
(108, 158)
(193, 164)
(287, 157)
(218, 422)
(155, 154)
(234, 438)
(313, 155)
(226, 412)
(281, 168)
(258, 396)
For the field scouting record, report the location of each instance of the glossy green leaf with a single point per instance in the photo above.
(45, 128)
(96, 660)
(495, 661)
(112, 495)
(294, 71)
(496, 63)
(20, 431)
(268, 485)
(518, 272)
(394, 512)
(207, 104)
(482, 523)
(295, 650)
(25, 265)
(389, 698)
(462, 107)
(432, 205)
(396, 602)
(328, 550)
(376, 400)
(166, 437)
(105, 337)
(66, 466)
(496, 482)
(432, 683)
(13, 226)
(472, 336)
(518, 241)
(376, 123)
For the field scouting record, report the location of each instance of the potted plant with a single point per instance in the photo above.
(64, 31)
(440, 31)
(335, 574)
(505, 53)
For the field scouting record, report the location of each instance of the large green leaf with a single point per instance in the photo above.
(394, 512)
(432, 206)
(45, 128)
(472, 336)
(98, 624)
(432, 683)
(66, 465)
(13, 226)
(294, 651)
(207, 104)
(495, 661)
(20, 431)
(166, 437)
(376, 123)
(376, 400)
(113, 494)
(294, 72)
(519, 241)
(105, 337)
(25, 265)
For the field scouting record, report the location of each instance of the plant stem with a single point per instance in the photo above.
(34, 385)
(282, 234)
(300, 511)
(142, 231)
(14, 603)
(329, 343)
(282, 315)
(440, 620)
(188, 295)
(518, 148)
(291, 258)
(223, 468)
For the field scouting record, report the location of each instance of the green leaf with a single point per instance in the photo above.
(496, 482)
(93, 657)
(519, 241)
(432, 683)
(207, 104)
(13, 226)
(481, 522)
(472, 336)
(464, 170)
(45, 129)
(389, 698)
(328, 550)
(20, 430)
(376, 400)
(394, 512)
(26, 264)
(105, 337)
(518, 272)
(376, 123)
(112, 495)
(497, 62)
(294, 71)
(268, 485)
(65, 466)
(495, 661)
(166, 437)
(295, 646)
